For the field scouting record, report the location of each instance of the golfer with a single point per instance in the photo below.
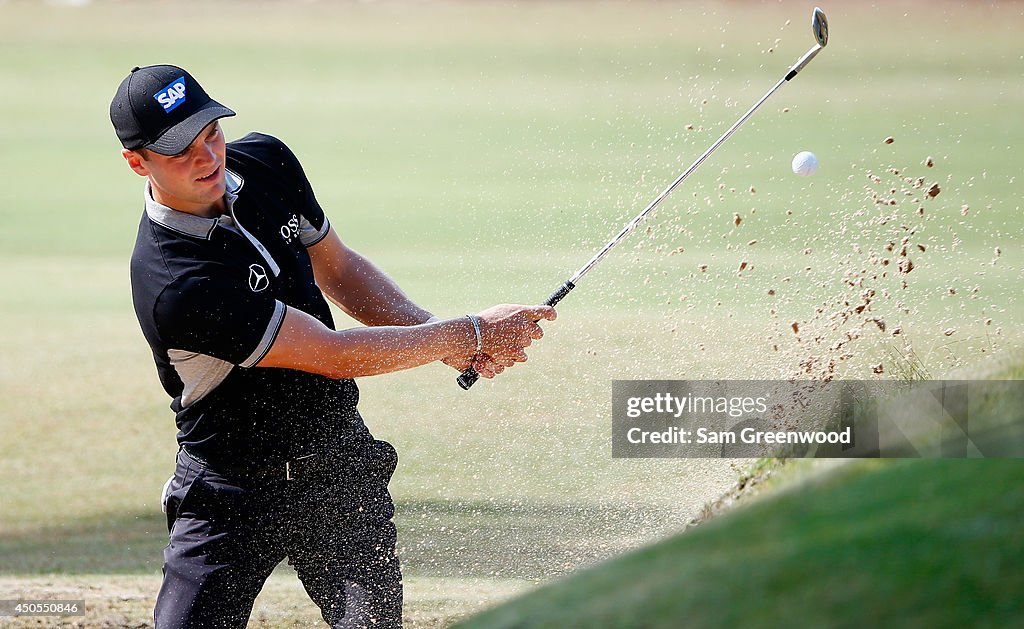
(231, 272)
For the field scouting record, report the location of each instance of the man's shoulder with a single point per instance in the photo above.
(163, 255)
(260, 149)
(255, 141)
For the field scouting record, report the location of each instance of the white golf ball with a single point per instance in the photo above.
(805, 164)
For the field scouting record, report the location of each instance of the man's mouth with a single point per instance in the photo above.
(210, 177)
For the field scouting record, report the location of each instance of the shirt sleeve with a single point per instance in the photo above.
(313, 224)
(220, 318)
(309, 234)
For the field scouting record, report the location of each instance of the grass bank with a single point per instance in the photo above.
(922, 543)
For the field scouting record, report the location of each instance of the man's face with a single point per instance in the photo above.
(191, 181)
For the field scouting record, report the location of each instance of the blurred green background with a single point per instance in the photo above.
(480, 153)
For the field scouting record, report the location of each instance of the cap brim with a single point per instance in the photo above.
(176, 139)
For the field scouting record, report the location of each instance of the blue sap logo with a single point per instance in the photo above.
(171, 95)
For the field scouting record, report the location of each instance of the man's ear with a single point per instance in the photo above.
(135, 162)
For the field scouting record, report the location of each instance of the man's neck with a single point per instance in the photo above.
(214, 210)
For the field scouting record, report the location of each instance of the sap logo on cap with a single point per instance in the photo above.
(171, 95)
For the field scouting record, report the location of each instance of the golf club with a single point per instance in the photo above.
(819, 25)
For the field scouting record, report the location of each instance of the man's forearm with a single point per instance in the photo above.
(369, 296)
(304, 343)
(384, 349)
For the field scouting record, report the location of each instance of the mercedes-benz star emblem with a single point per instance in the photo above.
(258, 278)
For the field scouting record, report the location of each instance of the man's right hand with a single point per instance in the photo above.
(506, 330)
(481, 363)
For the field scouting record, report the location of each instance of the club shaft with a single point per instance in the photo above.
(632, 225)
(469, 376)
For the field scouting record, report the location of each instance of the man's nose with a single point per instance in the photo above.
(206, 154)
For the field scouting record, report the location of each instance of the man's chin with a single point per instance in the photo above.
(215, 193)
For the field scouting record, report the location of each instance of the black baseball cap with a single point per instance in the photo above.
(162, 108)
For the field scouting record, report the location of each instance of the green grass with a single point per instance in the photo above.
(913, 544)
(920, 543)
(480, 152)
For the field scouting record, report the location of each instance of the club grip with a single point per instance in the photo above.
(470, 376)
(557, 296)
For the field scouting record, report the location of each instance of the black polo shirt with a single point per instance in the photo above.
(210, 295)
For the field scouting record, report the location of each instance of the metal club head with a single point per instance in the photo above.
(819, 24)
